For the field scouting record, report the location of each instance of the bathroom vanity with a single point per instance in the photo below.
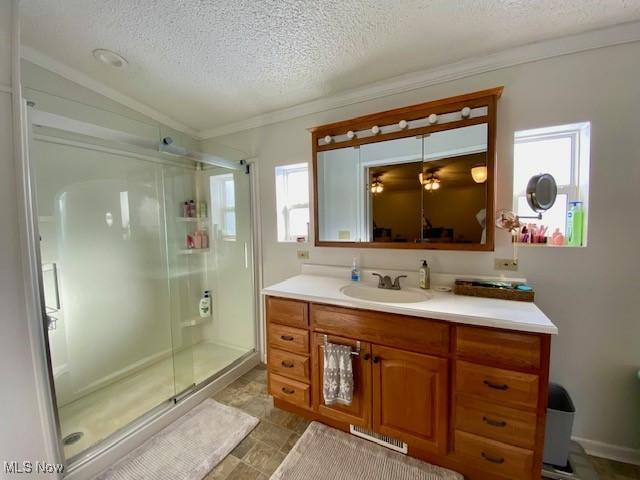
(462, 381)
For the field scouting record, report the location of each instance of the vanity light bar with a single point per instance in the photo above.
(432, 119)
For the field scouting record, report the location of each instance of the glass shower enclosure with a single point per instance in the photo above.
(128, 270)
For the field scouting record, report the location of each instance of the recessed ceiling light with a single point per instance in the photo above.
(109, 58)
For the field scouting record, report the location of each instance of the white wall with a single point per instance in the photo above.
(591, 293)
(21, 433)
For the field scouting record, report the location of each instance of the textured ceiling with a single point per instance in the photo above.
(210, 63)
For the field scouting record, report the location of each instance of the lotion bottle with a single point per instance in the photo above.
(205, 305)
(424, 276)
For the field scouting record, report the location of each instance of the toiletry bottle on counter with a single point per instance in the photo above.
(424, 276)
(355, 272)
(205, 305)
(575, 220)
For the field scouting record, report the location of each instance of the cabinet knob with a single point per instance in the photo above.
(366, 357)
(376, 359)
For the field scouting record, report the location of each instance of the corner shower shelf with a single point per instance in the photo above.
(192, 251)
(193, 219)
(194, 321)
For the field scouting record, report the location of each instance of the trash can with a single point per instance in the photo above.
(557, 437)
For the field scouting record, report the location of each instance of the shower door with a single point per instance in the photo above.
(105, 261)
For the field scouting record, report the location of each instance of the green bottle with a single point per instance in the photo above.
(575, 223)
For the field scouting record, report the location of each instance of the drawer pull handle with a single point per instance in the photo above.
(488, 458)
(496, 386)
(494, 423)
(288, 391)
(287, 338)
(287, 364)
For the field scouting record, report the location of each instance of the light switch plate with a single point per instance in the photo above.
(303, 254)
(505, 264)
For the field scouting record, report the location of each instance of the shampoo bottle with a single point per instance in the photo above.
(205, 305)
(424, 276)
(575, 221)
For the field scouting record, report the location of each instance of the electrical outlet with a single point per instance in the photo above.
(505, 264)
(303, 254)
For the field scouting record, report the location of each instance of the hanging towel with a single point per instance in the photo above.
(338, 375)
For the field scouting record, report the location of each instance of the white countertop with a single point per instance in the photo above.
(486, 312)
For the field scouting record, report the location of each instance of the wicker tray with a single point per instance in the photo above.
(464, 287)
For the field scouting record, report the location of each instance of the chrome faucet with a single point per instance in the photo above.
(386, 283)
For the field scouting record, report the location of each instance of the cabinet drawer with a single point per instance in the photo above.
(495, 384)
(408, 333)
(289, 390)
(288, 312)
(510, 349)
(508, 425)
(498, 458)
(289, 364)
(288, 338)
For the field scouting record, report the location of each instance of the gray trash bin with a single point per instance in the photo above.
(557, 437)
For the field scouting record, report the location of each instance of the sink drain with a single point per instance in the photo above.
(72, 438)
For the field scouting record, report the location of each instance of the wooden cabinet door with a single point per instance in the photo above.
(359, 412)
(410, 397)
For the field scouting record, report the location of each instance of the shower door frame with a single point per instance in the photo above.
(99, 456)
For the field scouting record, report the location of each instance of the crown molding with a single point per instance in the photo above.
(607, 37)
(48, 63)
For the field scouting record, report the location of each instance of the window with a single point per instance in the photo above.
(561, 151)
(292, 201)
(223, 205)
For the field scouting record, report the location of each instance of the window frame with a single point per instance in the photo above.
(282, 173)
(579, 135)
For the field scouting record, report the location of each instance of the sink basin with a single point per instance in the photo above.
(373, 294)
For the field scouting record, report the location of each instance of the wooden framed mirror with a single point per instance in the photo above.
(418, 177)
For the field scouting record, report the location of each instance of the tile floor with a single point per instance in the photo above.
(258, 456)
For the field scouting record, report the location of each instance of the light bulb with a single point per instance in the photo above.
(433, 118)
(328, 139)
(375, 129)
(466, 111)
(402, 124)
(351, 135)
(436, 185)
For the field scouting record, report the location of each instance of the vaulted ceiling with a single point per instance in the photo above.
(211, 63)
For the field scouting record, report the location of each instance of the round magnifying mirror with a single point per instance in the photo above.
(541, 192)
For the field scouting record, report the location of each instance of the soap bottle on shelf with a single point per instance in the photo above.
(205, 305)
(424, 276)
(355, 272)
(202, 209)
(192, 209)
(185, 209)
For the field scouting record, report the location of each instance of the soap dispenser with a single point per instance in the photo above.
(355, 272)
(425, 276)
(205, 305)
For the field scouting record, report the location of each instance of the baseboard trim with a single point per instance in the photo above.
(611, 452)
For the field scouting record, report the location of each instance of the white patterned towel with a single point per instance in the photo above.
(338, 375)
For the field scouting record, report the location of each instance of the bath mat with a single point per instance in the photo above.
(324, 453)
(188, 448)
